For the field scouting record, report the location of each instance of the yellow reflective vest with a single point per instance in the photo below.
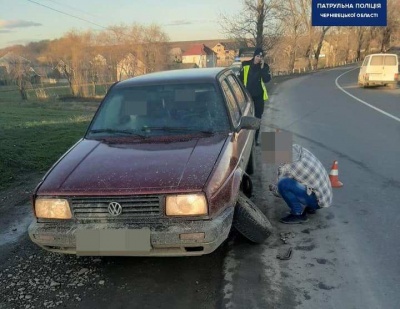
(246, 70)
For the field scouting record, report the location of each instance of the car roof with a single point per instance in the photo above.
(200, 75)
(382, 54)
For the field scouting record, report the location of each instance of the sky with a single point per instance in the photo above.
(24, 21)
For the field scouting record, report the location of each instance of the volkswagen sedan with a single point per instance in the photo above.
(157, 173)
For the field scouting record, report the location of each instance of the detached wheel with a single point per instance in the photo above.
(250, 221)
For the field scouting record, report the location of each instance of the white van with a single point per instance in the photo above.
(379, 69)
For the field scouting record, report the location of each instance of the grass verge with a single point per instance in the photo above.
(34, 135)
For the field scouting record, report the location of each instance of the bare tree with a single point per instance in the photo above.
(155, 48)
(133, 50)
(347, 43)
(19, 69)
(293, 29)
(384, 34)
(341, 41)
(305, 7)
(360, 35)
(71, 55)
(370, 35)
(321, 38)
(258, 24)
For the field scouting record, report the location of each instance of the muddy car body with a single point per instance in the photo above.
(156, 174)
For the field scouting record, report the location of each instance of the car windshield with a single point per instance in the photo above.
(160, 110)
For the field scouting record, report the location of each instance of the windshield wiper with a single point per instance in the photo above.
(116, 131)
(179, 129)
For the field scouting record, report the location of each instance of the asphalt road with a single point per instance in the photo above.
(346, 256)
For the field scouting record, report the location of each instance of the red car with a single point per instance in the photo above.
(156, 174)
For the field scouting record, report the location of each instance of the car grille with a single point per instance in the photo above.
(147, 206)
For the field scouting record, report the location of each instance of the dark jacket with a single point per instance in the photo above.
(253, 83)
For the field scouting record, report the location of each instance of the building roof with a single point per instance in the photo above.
(228, 45)
(11, 57)
(175, 50)
(198, 49)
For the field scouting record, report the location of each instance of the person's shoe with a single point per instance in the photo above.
(310, 211)
(294, 219)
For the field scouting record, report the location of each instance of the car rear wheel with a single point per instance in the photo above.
(251, 166)
(250, 221)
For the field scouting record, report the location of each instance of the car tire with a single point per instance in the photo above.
(251, 165)
(250, 221)
(246, 186)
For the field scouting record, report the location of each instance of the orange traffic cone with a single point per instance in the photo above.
(334, 176)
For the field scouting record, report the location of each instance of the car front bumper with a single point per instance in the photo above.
(163, 239)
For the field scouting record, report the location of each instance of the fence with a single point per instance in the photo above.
(90, 90)
(53, 92)
(305, 69)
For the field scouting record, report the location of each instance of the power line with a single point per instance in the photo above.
(82, 19)
(71, 7)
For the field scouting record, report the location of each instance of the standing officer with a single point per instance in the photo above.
(254, 74)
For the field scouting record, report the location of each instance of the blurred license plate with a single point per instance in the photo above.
(112, 242)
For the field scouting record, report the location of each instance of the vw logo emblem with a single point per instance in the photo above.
(114, 209)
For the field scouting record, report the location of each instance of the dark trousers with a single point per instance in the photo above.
(259, 104)
(295, 196)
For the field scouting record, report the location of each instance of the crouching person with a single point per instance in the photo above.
(304, 185)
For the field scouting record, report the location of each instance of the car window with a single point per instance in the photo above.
(390, 60)
(365, 61)
(377, 60)
(238, 92)
(191, 106)
(232, 106)
(235, 69)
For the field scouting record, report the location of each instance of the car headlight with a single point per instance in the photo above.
(186, 205)
(52, 208)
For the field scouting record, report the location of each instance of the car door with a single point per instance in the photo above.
(390, 68)
(375, 68)
(246, 106)
(238, 106)
(363, 70)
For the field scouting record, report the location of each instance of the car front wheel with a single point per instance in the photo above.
(251, 166)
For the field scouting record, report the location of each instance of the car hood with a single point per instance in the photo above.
(95, 167)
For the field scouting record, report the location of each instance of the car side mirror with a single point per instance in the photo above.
(249, 123)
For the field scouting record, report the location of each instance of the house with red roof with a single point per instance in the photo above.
(201, 55)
